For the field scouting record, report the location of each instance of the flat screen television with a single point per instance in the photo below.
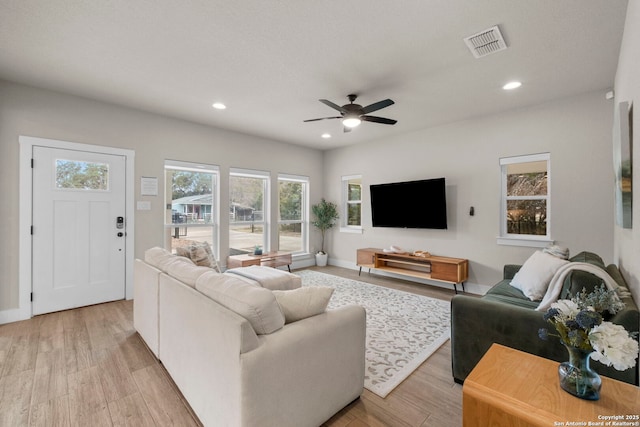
(410, 204)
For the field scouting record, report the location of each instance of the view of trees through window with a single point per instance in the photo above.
(351, 208)
(191, 196)
(71, 174)
(187, 183)
(193, 214)
(354, 204)
(291, 197)
(527, 195)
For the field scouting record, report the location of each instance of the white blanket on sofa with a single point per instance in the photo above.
(555, 286)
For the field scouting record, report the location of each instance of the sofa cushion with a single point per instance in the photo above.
(504, 292)
(588, 257)
(268, 277)
(301, 303)
(186, 272)
(256, 304)
(161, 259)
(536, 273)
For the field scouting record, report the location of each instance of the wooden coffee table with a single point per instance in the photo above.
(512, 388)
(270, 259)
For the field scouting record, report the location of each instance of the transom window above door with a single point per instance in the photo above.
(81, 175)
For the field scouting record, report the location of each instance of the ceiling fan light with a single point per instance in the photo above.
(351, 122)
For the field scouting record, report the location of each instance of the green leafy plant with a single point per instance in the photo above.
(326, 214)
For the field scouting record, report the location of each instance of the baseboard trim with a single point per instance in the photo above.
(14, 315)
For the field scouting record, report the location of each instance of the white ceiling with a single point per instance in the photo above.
(270, 61)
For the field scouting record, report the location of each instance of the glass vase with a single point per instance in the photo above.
(577, 377)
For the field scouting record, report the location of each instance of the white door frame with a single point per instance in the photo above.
(26, 209)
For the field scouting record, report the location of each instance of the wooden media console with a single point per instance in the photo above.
(437, 268)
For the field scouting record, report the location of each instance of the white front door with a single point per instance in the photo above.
(79, 228)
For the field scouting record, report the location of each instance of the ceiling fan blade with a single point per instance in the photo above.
(323, 118)
(377, 106)
(375, 119)
(332, 105)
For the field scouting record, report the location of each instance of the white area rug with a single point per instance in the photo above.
(403, 329)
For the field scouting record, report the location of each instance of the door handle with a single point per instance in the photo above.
(120, 234)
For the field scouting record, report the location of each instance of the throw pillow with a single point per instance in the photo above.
(301, 303)
(202, 255)
(185, 271)
(558, 251)
(183, 251)
(256, 304)
(536, 273)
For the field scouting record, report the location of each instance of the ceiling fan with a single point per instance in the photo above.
(354, 114)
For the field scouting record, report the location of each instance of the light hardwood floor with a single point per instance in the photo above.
(88, 367)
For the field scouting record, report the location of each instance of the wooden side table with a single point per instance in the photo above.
(511, 388)
(271, 259)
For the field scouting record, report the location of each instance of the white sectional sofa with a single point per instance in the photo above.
(235, 356)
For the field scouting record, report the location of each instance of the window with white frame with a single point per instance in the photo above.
(248, 211)
(351, 203)
(192, 204)
(293, 208)
(525, 202)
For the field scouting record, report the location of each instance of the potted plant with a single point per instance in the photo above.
(326, 215)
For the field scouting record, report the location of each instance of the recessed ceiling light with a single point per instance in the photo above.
(512, 85)
(326, 135)
(219, 106)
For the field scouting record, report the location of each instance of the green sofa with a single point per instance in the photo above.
(505, 316)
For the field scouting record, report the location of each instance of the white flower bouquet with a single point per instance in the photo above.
(579, 323)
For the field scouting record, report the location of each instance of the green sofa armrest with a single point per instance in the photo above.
(510, 270)
(477, 323)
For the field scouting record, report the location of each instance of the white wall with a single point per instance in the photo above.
(35, 112)
(577, 133)
(627, 88)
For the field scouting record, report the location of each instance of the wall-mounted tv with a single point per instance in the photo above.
(410, 204)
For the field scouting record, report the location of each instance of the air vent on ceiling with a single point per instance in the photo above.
(486, 42)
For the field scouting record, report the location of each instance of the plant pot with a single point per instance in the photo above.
(321, 259)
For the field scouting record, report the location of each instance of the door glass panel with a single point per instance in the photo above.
(79, 175)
